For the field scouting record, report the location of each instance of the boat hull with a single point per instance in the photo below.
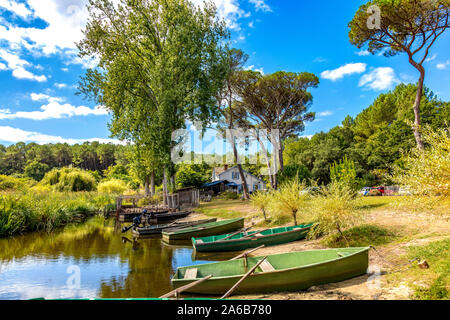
(237, 243)
(216, 228)
(279, 280)
(158, 229)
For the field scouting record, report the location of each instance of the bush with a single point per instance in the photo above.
(427, 172)
(149, 201)
(291, 172)
(36, 170)
(291, 198)
(70, 180)
(230, 195)
(334, 209)
(261, 201)
(113, 186)
(8, 183)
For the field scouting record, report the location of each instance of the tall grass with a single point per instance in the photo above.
(22, 212)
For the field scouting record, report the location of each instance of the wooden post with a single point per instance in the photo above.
(243, 278)
(176, 292)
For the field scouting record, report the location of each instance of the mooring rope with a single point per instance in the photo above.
(409, 263)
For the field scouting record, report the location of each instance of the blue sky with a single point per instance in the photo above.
(39, 67)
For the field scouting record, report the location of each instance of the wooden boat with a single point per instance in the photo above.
(157, 229)
(204, 230)
(163, 217)
(279, 272)
(243, 240)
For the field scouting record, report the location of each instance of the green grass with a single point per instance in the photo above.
(437, 277)
(361, 236)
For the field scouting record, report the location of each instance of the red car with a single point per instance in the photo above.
(381, 189)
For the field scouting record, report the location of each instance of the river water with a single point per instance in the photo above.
(93, 260)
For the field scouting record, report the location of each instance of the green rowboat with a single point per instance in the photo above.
(204, 230)
(280, 272)
(242, 241)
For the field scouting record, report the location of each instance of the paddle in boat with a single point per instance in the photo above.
(245, 240)
(274, 273)
(204, 230)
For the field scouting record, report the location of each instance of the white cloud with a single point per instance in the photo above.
(363, 53)
(320, 60)
(325, 113)
(229, 10)
(53, 110)
(14, 135)
(60, 85)
(344, 70)
(17, 8)
(433, 57)
(261, 5)
(44, 97)
(253, 68)
(3, 66)
(443, 66)
(379, 79)
(17, 65)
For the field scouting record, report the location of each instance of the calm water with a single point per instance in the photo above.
(42, 265)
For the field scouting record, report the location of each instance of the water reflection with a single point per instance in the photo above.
(111, 265)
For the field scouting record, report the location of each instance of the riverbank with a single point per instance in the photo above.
(401, 229)
(29, 211)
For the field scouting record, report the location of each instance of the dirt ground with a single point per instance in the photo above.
(412, 229)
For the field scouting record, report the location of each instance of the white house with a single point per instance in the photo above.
(232, 175)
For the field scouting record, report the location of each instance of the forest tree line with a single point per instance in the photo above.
(374, 140)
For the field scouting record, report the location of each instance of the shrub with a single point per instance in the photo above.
(113, 186)
(292, 197)
(261, 201)
(345, 172)
(427, 172)
(70, 180)
(149, 201)
(8, 183)
(334, 209)
(290, 172)
(230, 195)
(36, 170)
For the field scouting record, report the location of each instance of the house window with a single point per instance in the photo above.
(256, 187)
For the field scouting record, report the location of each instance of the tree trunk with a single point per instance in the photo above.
(417, 122)
(152, 184)
(280, 153)
(146, 186)
(165, 191)
(294, 213)
(269, 168)
(241, 171)
(235, 151)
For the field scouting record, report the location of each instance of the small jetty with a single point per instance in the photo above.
(178, 205)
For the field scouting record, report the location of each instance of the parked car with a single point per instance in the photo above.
(364, 191)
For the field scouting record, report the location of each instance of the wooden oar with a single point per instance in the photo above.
(243, 278)
(237, 232)
(247, 252)
(176, 292)
(253, 234)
